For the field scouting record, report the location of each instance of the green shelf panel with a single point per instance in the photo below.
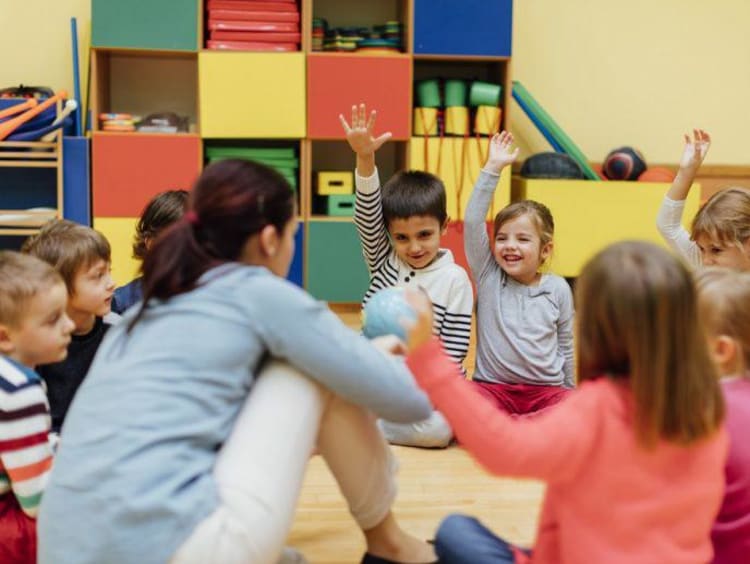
(336, 271)
(145, 24)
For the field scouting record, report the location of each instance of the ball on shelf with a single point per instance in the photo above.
(624, 163)
(657, 174)
(384, 312)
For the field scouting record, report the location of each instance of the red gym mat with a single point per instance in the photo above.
(251, 5)
(242, 15)
(251, 46)
(263, 37)
(226, 25)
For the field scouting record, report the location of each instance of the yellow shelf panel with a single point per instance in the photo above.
(252, 95)
(589, 215)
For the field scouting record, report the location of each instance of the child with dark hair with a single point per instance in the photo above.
(161, 212)
(82, 257)
(400, 227)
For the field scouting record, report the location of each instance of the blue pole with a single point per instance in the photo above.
(76, 77)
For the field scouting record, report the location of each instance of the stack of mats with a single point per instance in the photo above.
(319, 29)
(381, 39)
(249, 25)
(281, 159)
(550, 130)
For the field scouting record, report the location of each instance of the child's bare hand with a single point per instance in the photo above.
(418, 331)
(359, 133)
(500, 154)
(695, 149)
(389, 344)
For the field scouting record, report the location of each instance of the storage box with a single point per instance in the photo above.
(335, 182)
(341, 205)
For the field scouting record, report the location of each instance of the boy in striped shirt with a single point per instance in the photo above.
(34, 329)
(400, 228)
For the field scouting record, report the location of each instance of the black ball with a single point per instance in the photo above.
(551, 165)
(624, 163)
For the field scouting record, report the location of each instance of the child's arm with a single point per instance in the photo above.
(552, 446)
(669, 218)
(455, 330)
(476, 241)
(25, 450)
(565, 336)
(368, 212)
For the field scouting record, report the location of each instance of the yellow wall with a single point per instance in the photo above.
(35, 43)
(636, 73)
(611, 73)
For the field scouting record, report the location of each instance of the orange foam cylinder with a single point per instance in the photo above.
(30, 103)
(7, 127)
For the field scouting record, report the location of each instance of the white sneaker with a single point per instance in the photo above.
(291, 555)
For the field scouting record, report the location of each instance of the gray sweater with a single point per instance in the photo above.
(524, 333)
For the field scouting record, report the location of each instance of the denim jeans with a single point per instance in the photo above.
(464, 540)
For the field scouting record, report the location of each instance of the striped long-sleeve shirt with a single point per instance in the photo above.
(25, 451)
(446, 283)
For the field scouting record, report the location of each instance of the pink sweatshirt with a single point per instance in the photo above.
(731, 532)
(608, 499)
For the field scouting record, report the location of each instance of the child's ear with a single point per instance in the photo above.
(269, 240)
(724, 352)
(546, 251)
(6, 343)
(444, 227)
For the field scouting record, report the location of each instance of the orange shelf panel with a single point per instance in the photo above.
(334, 83)
(128, 170)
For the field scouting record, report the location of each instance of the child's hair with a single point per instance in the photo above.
(413, 193)
(724, 302)
(68, 247)
(162, 211)
(232, 200)
(638, 322)
(539, 213)
(725, 217)
(21, 278)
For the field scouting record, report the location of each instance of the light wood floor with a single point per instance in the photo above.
(432, 484)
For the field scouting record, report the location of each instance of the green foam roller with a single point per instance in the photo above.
(428, 93)
(555, 130)
(455, 93)
(485, 94)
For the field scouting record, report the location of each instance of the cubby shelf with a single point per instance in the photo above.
(265, 99)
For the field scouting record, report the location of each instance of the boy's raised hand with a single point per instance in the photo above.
(695, 150)
(359, 133)
(500, 154)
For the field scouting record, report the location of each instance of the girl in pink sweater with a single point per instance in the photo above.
(634, 458)
(724, 301)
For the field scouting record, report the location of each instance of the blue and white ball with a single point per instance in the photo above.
(384, 312)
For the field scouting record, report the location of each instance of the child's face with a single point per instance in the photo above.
(92, 290)
(416, 239)
(518, 249)
(43, 335)
(713, 253)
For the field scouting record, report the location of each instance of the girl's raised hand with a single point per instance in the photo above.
(359, 133)
(500, 154)
(695, 149)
